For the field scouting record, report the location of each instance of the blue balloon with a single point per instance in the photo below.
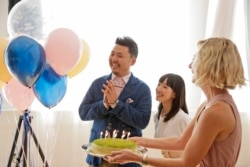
(50, 87)
(25, 59)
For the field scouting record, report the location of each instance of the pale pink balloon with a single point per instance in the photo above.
(18, 95)
(63, 50)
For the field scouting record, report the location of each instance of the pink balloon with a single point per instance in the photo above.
(63, 50)
(18, 95)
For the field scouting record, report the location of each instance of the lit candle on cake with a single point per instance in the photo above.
(114, 134)
(123, 134)
(101, 133)
(128, 135)
(106, 133)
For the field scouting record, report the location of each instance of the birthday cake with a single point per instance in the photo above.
(105, 146)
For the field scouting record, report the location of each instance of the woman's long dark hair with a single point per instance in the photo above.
(175, 82)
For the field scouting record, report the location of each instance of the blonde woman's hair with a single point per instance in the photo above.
(218, 64)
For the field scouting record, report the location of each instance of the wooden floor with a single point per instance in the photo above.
(61, 135)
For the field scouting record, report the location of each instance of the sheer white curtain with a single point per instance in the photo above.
(198, 11)
(221, 15)
(247, 20)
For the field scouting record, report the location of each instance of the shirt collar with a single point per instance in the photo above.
(125, 78)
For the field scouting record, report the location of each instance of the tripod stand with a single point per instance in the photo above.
(23, 150)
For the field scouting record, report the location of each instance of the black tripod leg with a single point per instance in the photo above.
(15, 141)
(38, 146)
(25, 145)
(20, 154)
(23, 151)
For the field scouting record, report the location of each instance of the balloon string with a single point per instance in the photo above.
(56, 137)
(47, 142)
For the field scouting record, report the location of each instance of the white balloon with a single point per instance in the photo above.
(26, 18)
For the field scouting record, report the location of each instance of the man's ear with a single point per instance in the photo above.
(133, 61)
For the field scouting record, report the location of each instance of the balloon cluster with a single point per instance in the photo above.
(29, 70)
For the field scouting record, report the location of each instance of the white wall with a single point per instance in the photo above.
(3, 17)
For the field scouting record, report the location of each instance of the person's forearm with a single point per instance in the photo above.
(163, 143)
(159, 162)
